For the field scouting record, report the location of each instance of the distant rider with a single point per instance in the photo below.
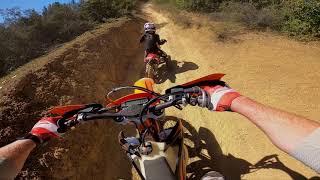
(152, 40)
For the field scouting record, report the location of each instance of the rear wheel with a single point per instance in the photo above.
(150, 70)
(168, 61)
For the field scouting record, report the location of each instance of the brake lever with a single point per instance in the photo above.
(88, 107)
(64, 125)
(201, 99)
(178, 107)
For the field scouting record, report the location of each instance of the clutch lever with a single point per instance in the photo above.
(68, 122)
(178, 106)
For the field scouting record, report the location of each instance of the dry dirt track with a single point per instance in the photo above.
(271, 69)
(279, 72)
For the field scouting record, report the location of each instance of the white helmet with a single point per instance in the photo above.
(149, 27)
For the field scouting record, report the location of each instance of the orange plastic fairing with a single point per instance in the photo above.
(211, 77)
(138, 94)
(61, 110)
(129, 97)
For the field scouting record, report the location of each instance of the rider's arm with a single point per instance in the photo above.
(142, 39)
(286, 130)
(159, 42)
(296, 135)
(13, 156)
(291, 133)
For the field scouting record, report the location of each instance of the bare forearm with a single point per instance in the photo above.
(17, 152)
(285, 130)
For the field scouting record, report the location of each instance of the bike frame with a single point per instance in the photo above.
(167, 143)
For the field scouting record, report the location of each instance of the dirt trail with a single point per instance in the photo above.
(271, 69)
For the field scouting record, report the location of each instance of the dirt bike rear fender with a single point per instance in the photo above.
(147, 83)
(151, 57)
(155, 61)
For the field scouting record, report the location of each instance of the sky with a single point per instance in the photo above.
(27, 4)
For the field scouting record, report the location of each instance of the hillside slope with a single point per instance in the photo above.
(78, 72)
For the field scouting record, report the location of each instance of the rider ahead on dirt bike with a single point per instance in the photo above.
(152, 40)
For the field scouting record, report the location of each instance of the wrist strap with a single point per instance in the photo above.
(32, 137)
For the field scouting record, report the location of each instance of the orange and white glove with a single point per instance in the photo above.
(46, 128)
(221, 97)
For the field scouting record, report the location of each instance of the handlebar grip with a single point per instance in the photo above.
(65, 124)
(62, 127)
(194, 89)
(87, 116)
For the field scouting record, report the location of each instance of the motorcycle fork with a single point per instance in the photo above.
(153, 126)
(135, 166)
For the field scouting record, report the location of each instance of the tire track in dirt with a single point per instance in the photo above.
(271, 69)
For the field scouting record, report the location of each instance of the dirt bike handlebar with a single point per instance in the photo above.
(176, 97)
(167, 104)
(65, 124)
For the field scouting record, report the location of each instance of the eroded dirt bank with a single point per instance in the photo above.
(79, 72)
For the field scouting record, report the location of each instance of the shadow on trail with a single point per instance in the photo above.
(203, 146)
(174, 68)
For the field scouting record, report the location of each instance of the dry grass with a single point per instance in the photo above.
(223, 31)
(181, 18)
(227, 32)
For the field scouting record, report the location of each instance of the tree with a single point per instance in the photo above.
(100, 10)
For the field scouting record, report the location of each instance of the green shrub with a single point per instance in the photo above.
(100, 10)
(299, 18)
(260, 4)
(302, 18)
(27, 34)
(250, 15)
(194, 5)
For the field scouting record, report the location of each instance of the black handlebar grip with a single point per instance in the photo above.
(194, 89)
(93, 116)
(62, 127)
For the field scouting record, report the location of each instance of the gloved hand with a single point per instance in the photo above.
(221, 97)
(163, 41)
(46, 128)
